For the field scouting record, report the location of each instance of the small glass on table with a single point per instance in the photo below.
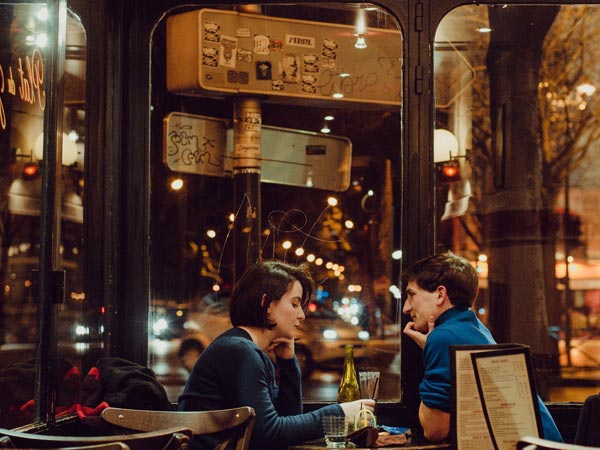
(336, 430)
(368, 382)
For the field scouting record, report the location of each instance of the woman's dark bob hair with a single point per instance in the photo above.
(268, 280)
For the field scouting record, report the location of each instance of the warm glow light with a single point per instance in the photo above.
(445, 145)
(328, 118)
(41, 40)
(586, 89)
(325, 129)
(231, 217)
(176, 184)
(299, 251)
(211, 233)
(69, 149)
(338, 95)
(286, 244)
(319, 261)
(397, 255)
(332, 201)
(360, 42)
(216, 288)
(42, 14)
(484, 29)
(349, 224)
(310, 257)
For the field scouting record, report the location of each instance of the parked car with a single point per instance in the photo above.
(320, 343)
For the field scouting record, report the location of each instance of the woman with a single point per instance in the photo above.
(236, 369)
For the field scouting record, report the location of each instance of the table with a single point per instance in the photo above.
(320, 445)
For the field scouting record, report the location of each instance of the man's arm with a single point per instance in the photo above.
(435, 423)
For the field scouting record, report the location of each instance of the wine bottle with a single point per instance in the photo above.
(348, 390)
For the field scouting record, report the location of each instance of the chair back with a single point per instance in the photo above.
(588, 431)
(174, 438)
(535, 443)
(232, 425)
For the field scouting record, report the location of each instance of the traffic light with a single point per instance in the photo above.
(30, 171)
(449, 171)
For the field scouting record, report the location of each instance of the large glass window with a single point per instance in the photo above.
(321, 86)
(22, 108)
(516, 127)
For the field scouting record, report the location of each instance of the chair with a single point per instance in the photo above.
(588, 431)
(233, 425)
(174, 438)
(534, 443)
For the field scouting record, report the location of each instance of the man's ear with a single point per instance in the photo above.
(442, 294)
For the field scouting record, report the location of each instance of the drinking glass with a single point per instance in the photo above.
(336, 429)
(368, 382)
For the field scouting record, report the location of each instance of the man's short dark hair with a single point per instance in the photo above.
(271, 279)
(453, 272)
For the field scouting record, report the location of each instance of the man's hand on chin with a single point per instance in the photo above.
(417, 336)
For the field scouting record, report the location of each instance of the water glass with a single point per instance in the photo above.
(336, 430)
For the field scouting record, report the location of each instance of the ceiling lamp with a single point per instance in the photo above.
(69, 149)
(445, 145)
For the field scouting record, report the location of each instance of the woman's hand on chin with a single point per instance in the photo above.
(282, 347)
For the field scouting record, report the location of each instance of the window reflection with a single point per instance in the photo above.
(22, 109)
(524, 112)
(328, 195)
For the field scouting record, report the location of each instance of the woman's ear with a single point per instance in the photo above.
(263, 300)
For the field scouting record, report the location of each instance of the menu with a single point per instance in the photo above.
(493, 395)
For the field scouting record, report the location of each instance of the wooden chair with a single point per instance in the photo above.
(174, 438)
(230, 425)
(535, 443)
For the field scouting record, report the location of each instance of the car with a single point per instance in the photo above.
(320, 343)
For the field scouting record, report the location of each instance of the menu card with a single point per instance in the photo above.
(493, 396)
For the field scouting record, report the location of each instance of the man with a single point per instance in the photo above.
(439, 292)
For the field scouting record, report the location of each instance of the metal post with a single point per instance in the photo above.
(568, 293)
(46, 382)
(246, 183)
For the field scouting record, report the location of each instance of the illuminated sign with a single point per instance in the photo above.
(227, 52)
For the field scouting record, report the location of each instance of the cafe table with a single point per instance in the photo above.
(319, 444)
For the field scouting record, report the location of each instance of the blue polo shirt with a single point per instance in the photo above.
(460, 326)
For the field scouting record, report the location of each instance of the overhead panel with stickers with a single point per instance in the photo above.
(216, 52)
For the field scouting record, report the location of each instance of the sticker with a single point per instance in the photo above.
(227, 54)
(275, 45)
(210, 56)
(261, 44)
(263, 70)
(329, 49)
(328, 63)
(277, 85)
(299, 41)
(290, 68)
(251, 121)
(244, 55)
(212, 32)
(237, 77)
(243, 33)
(311, 63)
(309, 84)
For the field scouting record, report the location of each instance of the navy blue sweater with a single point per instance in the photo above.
(233, 371)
